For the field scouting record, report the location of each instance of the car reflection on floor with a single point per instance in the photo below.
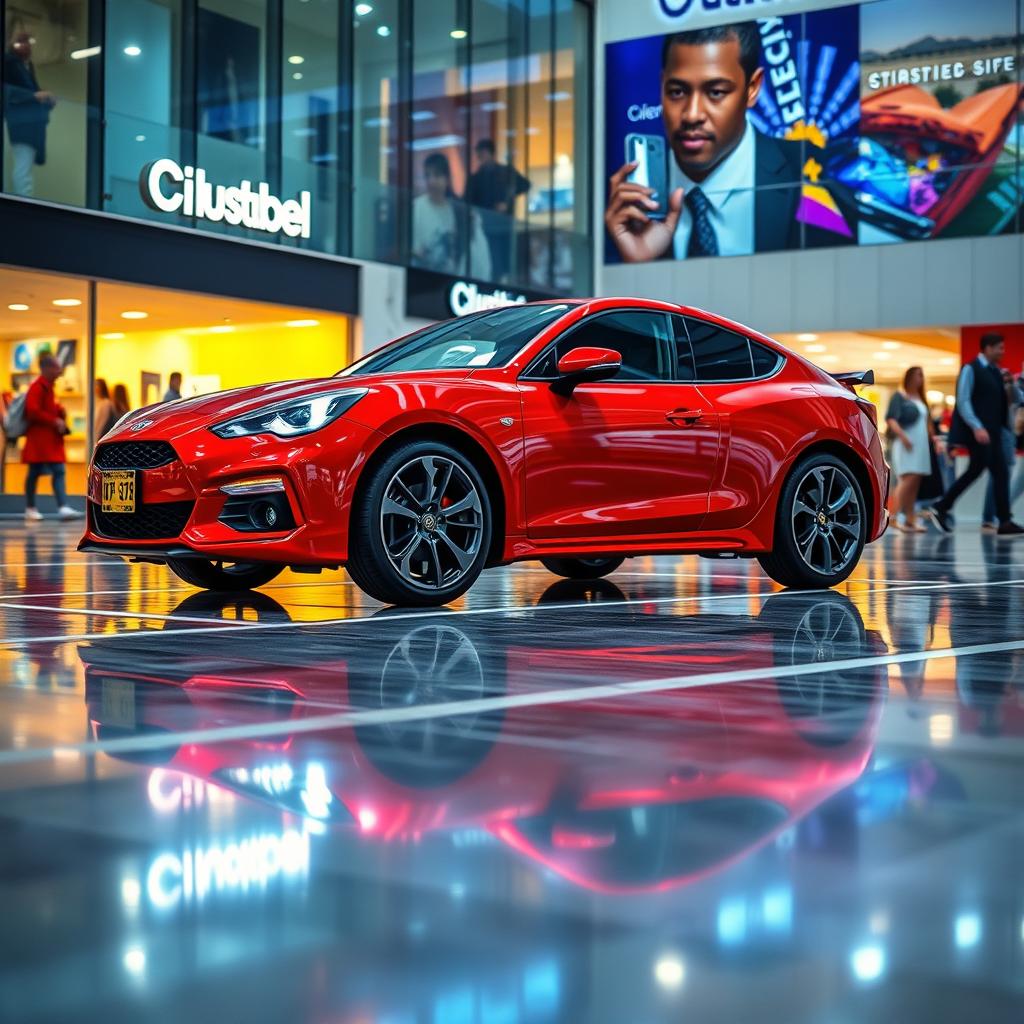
(405, 724)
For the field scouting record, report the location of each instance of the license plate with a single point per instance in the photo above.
(117, 705)
(117, 491)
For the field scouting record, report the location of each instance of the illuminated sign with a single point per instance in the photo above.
(168, 187)
(466, 297)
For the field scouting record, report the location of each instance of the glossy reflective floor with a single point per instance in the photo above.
(675, 795)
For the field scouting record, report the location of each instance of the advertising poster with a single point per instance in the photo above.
(882, 122)
(940, 109)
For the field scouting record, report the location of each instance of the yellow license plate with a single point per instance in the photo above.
(117, 706)
(117, 491)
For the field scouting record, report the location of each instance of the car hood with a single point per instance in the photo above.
(169, 419)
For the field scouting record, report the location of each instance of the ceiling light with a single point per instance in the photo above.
(458, 33)
(134, 314)
(881, 355)
(221, 329)
(140, 138)
(829, 359)
(296, 59)
(947, 361)
(303, 323)
(297, 75)
(89, 51)
(113, 336)
(66, 320)
(670, 971)
(17, 307)
(806, 337)
(362, 10)
(816, 348)
(383, 31)
(891, 344)
(132, 51)
(67, 302)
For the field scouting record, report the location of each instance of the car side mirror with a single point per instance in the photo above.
(583, 364)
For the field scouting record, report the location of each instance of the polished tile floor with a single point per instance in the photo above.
(674, 795)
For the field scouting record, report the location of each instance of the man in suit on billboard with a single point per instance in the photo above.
(709, 79)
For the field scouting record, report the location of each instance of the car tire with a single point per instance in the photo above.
(405, 546)
(582, 568)
(223, 576)
(820, 527)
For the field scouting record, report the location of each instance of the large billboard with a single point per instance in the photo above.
(883, 122)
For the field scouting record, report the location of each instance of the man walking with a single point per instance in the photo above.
(982, 410)
(44, 440)
(493, 189)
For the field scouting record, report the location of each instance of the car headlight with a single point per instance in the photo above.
(292, 418)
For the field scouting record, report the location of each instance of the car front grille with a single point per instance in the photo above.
(160, 521)
(134, 455)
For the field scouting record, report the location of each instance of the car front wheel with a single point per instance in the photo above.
(821, 526)
(421, 526)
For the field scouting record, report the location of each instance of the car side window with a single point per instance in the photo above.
(766, 360)
(718, 354)
(639, 336)
(684, 368)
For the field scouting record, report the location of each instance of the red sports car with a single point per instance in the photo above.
(577, 432)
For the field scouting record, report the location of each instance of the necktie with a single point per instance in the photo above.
(703, 240)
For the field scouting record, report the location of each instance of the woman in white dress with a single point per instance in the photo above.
(910, 428)
(442, 231)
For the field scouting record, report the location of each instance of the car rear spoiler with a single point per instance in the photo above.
(856, 378)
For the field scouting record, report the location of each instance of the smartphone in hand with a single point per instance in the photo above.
(648, 153)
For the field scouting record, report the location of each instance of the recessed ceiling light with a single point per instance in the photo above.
(297, 75)
(881, 355)
(806, 337)
(383, 31)
(303, 323)
(66, 320)
(458, 33)
(891, 344)
(947, 361)
(17, 307)
(140, 138)
(221, 329)
(89, 51)
(296, 59)
(362, 10)
(134, 314)
(132, 51)
(113, 336)
(67, 302)
(816, 348)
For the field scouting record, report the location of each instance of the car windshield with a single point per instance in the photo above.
(490, 338)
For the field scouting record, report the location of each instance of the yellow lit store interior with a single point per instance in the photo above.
(142, 336)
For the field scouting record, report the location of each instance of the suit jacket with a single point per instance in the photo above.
(778, 163)
(26, 116)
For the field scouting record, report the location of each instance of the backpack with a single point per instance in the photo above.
(15, 421)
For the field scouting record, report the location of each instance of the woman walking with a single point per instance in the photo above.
(911, 431)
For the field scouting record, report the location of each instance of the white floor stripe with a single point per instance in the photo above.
(483, 705)
(443, 612)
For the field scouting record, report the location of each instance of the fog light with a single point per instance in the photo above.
(263, 515)
(257, 485)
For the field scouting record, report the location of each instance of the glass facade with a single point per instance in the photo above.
(452, 135)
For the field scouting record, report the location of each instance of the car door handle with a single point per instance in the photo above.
(685, 417)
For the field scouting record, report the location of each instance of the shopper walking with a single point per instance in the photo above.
(121, 403)
(173, 392)
(982, 409)
(44, 440)
(493, 189)
(1008, 438)
(103, 417)
(911, 431)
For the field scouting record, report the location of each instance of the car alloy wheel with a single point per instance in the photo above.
(431, 522)
(826, 520)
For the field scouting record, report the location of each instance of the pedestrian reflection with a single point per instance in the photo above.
(623, 748)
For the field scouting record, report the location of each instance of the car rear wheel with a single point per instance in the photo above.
(821, 526)
(421, 526)
(222, 575)
(582, 568)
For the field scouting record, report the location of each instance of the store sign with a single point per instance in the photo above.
(436, 296)
(168, 187)
(466, 297)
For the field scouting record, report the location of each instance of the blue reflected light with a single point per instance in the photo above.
(732, 922)
(967, 930)
(868, 963)
(454, 1007)
(777, 909)
(542, 985)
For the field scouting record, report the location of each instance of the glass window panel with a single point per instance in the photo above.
(309, 114)
(719, 354)
(377, 226)
(637, 336)
(231, 90)
(46, 61)
(684, 369)
(142, 95)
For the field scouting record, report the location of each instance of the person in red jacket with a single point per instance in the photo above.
(44, 440)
